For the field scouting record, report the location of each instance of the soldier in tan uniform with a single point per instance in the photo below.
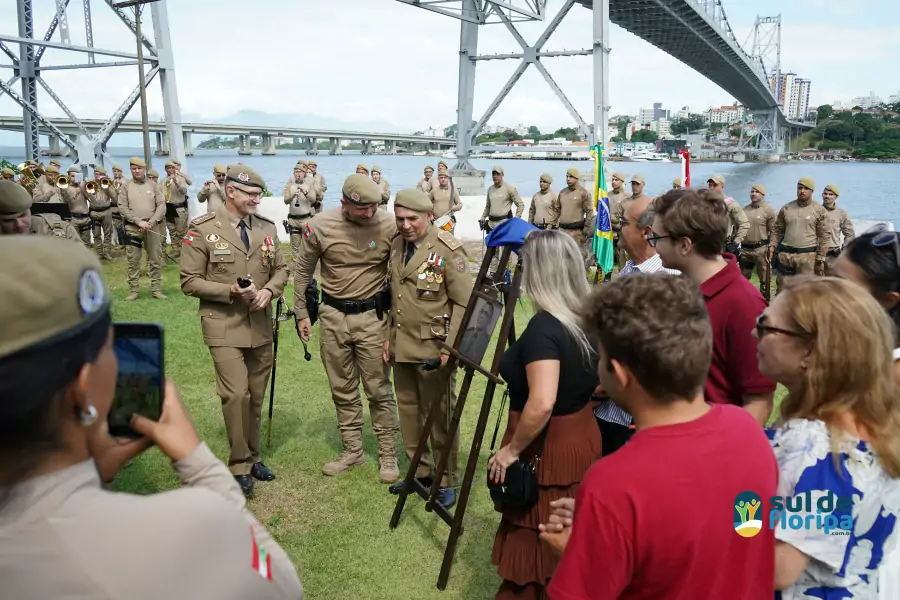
(236, 242)
(299, 195)
(321, 185)
(143, 209)
(445, 200)
(800, 237)
(186, 177)
(199, 541)
(755, 249)
(838, 224)
(616, 196)
(112, 193)
(175, 189)
(576, 216)
(544, 209)
(383, 185)
(425, 184)
(353, 244)
(153, 177)
(429, 279)
(101, 203)
(16, 217)
(74, 197)
(739, 224)
(46, 189)
(500, 199)
(213, 191)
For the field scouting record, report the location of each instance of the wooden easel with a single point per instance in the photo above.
(486, 288)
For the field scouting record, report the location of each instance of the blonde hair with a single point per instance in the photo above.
(851, 366)
(555, 280)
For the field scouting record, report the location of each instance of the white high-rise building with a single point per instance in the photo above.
(792, 95)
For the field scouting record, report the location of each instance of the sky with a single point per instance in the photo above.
(382, 60)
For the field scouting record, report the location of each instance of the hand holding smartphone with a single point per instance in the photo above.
(141, 377)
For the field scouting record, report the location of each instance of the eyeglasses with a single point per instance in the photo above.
(762, 329)
(652, 238)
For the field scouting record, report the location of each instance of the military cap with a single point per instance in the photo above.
(217, 168)
(229, 167)
(98, 170)
(638, 179)
(497, 169)
(573, 172)
(807, 183)
(361, 190)
(8, 171)
(376, 169)
(546, 178)
(170, 163)
(443, 171)
(52, 169)
(244, 175)
(677, 181)
(52, 289)
(413, 199)
(363, 167)
(833, 188)
(137, 162)
(55, 162)
(176, 163)
(300, 162)
(117, 167)
(14, 199)
(717, 179)
(759, 188)
(73, 169)
(620, 176)
(428, 167)
(440, 162)
(313, 163)
(152, 173)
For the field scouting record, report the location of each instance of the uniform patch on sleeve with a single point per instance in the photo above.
(261, 560)
(189, 238)
(307, 231)
(461, 264)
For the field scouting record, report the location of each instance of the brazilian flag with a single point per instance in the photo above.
(603, 235)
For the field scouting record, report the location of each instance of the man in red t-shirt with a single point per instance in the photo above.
(655, 520)
(689, 233)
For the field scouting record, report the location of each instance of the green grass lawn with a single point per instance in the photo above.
(335, 529)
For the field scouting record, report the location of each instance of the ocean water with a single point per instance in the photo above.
(869, 191)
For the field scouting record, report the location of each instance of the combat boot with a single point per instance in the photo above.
(387, 468)
(131, 297)
(344, 462)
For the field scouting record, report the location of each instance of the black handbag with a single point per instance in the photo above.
(520, 486)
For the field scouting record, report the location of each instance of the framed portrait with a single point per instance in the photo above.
(479, 329)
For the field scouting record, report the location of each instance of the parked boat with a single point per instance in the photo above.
(657, 157)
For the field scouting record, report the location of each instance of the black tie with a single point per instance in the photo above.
(244, 237)
(410, 250)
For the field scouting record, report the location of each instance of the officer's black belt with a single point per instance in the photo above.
(100, 210)
(182, 205)
(793, 250)
(572, 226)
(303, 216)
(349, 307)
(754, 245)
(80, 215)
(831, 251)
(501, 218)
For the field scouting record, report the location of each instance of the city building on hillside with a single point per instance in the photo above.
(724, 114)
(661, 127)
(866, 101)
(792, 94)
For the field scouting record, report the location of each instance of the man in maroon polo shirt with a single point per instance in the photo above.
(689, 232)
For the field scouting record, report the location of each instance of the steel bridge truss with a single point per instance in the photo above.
(88, 148)
(765, 50)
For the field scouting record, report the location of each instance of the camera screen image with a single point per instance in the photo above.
(139, 384)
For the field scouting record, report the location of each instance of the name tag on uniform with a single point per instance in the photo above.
(221, 251)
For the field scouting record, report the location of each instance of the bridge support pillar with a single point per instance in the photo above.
(390, 147)
(334, 146)
(366, 147)
(268, 144)
(244, 147)
(770, 144)
(313, 146)
(162, 144)
(188, 145)
(465, 94)
(53, 148)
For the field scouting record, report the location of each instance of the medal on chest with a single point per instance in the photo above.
(267, 251)
(432, 270)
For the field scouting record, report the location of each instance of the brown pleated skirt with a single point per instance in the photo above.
(524, 562)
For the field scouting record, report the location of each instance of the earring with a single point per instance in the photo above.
(87, 417)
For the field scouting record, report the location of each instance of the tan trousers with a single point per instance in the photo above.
(241, 378)
(297, 226)
(83, 227)
(103, 231)
(177, 228)
(416, 390)
(829, 263)
(794, 264)
(150, 244)
(754, 259)
(350, 346)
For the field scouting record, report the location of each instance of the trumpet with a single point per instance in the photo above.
(62, 182)
(90, 187)
(105, 183)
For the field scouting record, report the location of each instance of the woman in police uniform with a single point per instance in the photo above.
(62, 535)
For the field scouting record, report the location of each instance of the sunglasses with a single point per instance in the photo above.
(762, 329)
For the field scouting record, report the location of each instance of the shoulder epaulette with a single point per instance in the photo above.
(203, 218)
(267, 219)
(449, 240)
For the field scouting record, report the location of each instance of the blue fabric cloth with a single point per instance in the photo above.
(510, 232)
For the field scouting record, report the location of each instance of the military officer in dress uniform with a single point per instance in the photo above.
(800, 237)
(219, 248)
(739, 224)
(754, 250)
(383, 185)
(353, 243)
(544, 209)
(500, 199)
(577, 217)
(430, 288)
(838, 225)
(213, 191)
(16, 217)
(425, 184)
(58, 362)
(321, 185)
(143, 209)
(445, 200)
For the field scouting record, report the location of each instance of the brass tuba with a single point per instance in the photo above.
(28, 178)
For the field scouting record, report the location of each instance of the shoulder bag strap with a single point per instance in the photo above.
(542, 437)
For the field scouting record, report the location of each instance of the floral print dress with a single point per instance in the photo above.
(843, 563)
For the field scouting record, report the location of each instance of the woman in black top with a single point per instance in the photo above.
(551, 372)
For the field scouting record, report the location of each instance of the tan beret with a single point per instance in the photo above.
(833, 188)
(116, 168)
(14, 199)
(152, 173)
(137, 162)
(759, 188)
(170, 163)
(376, 169)
(51, 289)
(638, 179)
(313, 163)
(573, 172)
(52, 169)
(546, 178)
(620, 176)
(413, 199)
(361, 190)
(73, 169)
(717, 179)
(807, 183)
(300, 162)
(363, 167)
(244, 175)
(217, 168)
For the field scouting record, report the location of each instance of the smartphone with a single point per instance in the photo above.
(141, 378)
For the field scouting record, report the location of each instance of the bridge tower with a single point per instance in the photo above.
(88, 147)
(473, 14)
(765, 48)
